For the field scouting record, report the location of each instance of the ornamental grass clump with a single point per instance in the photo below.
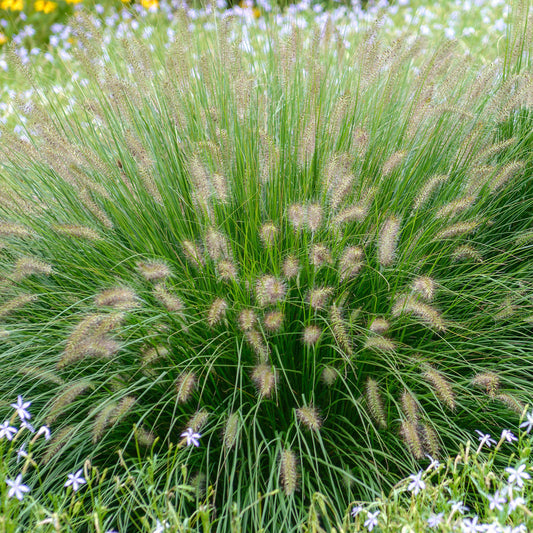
(293, 253)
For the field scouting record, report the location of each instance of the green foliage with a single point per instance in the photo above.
(315, 258)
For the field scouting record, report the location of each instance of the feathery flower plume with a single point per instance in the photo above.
(220, 186)
(375, 402)
(144, 437)
(350, 262)
(58, 442)
(154, 270)
(507, 309)
(247, 319)
(360, 140)
(226, 269)
(171, 302)
(92, 346)
(269, 290)
(261, 349)
(379, 343)
(41, 374)
(268, 233)
(318, 298)
(12, 229)
(453, 208)
(341, 189)
(216, 244)
(311, 335)
(388, 238)
(79, 232)
(185, 385)
(425, 286)
(231, 431)
(409, 433)
(405, 304)
(524, 238)
(198, 420)
(510, 402)
(291, 267)
(200, 181)
(28, 266)
(288, 467)
(505, 174)
(296, 214)
(319, 255)
(454, 230)
(479, 176)
(16, 303)
(265, 380)
(442, 388)
(273, 321)
(393, 162)
(409, 406)
(193, 254)
(102, 421)
(352, 213)
(489, 381)
(66, 398)
(379, 325)
(118, 298)
(329, 375)
(494, 149)
(314, 217)
(339, 330)
(466, 252)
(430, 440)
(309, 417)
(151, 354)
(216, 312)
(427, 190)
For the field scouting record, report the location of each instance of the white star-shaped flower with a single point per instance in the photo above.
(435, 519)
(26, 425)
(517, 476)
(508, 436)
(22, 408)
(458, 506)
(470, 525)
(160, 527)
(21, 452)
(371, 520)
(497, 501)
(528, 423)
(485, 439)
(433, 464)
(44, 430)
(7, 431)
(17, 489)
(356, 509)
(417, 484)
(75, 480)
(515, 503)
(191, 437)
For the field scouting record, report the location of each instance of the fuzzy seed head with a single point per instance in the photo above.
(247, 319)
(505, 174)
(329, 375)
(58, 442)
(314, 217)
(216, 312)
(458, 229)
(12, 229)
(375, 402)
(123, 408)
(198, 420)
(350, 262)
(380, 344)
(265, 380)
(511, 402)
(489, 381)
(288, 472)
(393, 162)
(269, 290)
(291, 267)
(388, 238)
(309, 417)
(273, 321)
(231, 431)
(409, 406)
(216, 244)
(296, 215)
(151, 354)
(412, 439)
(66, 398)
(379, 325)
(465, 252)
(185, 386)
(405, 304)
(78, 232)
(268, 234)
(261, 349)
(427, 189)
(118, 298)
(144, 437)
(16, 303)
(430, 439)
(28, 266)
(102, 421)
(154, 270)
(353, 213)
(425, 286)
(339, 330)
(171, 302)
(453, 208)
(227, 271)
(311, 335)
(442, 388)
(193, 254)
(318, 298)
(319, 255)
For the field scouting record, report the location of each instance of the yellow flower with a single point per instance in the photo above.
(73, 1)
(3, 39)
(12, 5)
(147, 4)
(46, 6)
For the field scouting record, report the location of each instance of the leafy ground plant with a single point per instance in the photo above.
(311, 265)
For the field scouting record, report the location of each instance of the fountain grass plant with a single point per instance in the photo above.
(318, 258)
